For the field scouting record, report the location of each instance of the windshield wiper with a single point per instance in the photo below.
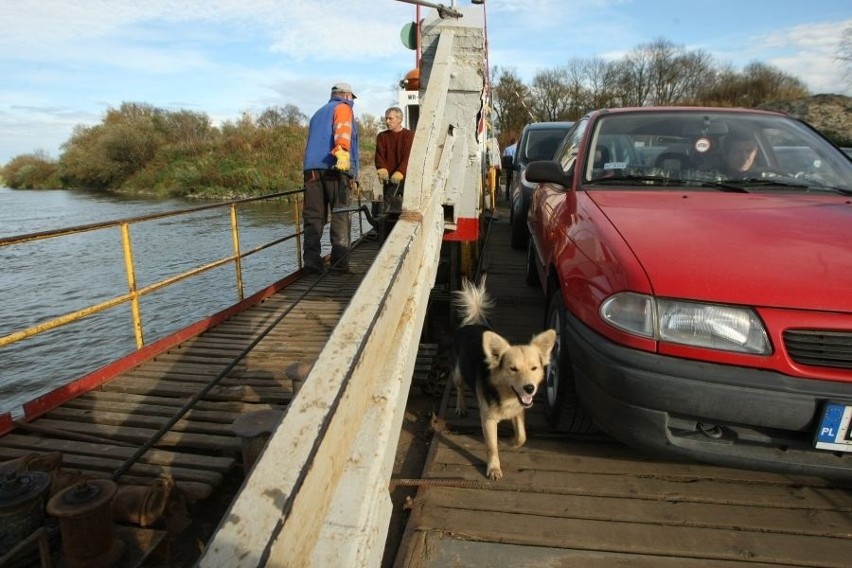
(666, 181)
(642, 180)
(724, 186)
(775, 182)
(735, 186)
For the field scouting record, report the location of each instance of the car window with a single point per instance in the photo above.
(540, 144)
(567, 153)
(699, 148)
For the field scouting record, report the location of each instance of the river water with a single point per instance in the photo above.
(45, 279)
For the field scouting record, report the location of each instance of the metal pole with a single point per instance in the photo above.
(443, 11)
(417, 34)
(131, 285)
(238, 264)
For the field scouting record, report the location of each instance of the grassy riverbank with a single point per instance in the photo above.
(139, 149)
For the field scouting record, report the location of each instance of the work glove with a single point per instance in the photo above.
(383, 174)
(396, 178)
(342, 160)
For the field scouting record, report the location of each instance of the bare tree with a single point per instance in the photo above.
(844, 53)
(288, 115)
(755, 84)
(764, 82)
(551, 95)
(633, 79)
(601, 83)
(658, 72)
(576, 79)
(676, 75)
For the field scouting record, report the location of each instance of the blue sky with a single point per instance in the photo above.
(64, 63)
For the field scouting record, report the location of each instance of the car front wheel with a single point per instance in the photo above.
(563, 409)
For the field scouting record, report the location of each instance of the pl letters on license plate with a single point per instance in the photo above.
(835, 428)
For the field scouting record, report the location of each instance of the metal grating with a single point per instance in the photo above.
(819, 347)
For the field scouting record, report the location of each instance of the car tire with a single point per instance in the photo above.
(520, 233)
(532, 278)
(562, 409)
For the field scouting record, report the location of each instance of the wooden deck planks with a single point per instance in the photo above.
(438, 551)
(100, 429)
(646, 509)
(619, 537)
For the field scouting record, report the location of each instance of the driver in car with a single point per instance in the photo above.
(739, 155)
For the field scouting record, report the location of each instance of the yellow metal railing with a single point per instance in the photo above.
(134, 294)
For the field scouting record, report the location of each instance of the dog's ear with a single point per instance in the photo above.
(544, 342)
(494, 347)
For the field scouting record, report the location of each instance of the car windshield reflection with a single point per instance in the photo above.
(713, 150)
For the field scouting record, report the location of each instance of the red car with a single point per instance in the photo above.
(697, 264)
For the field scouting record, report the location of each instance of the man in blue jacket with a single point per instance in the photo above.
(331, 164)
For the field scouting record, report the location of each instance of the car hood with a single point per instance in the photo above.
(789, 251)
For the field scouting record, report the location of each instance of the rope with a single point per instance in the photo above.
(439, 483)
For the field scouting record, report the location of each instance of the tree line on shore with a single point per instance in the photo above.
(657, 73)
(138, 148)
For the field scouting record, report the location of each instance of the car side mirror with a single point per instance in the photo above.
(547, 171)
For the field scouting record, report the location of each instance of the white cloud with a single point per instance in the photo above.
(809, 52)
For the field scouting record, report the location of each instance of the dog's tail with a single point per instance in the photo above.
(473, 303)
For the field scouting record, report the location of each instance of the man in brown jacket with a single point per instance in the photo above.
(392, 149)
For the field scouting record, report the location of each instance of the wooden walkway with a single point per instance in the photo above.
(591, 502)
(99, 430)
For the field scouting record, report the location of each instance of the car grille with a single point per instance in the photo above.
(820, 348)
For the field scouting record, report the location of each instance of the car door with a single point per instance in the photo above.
(549, 200)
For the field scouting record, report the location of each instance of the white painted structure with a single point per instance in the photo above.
(319, 495)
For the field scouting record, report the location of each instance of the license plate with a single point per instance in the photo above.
(835, 428)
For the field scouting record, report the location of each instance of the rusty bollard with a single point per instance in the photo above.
(22, 497)
(254, 429)
(88, 534)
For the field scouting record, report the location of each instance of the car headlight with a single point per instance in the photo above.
(714, 326)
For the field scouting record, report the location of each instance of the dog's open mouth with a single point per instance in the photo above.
(525, 399)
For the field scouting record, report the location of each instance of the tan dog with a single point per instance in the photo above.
(504, 377)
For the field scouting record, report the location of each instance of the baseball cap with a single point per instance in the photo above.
(343, 88)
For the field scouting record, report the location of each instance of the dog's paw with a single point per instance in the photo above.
(495, 473)
(461, 411)
(518, 442)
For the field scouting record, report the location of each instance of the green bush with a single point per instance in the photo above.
(31, 171)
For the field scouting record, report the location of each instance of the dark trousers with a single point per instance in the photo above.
(326, 190)
(392, 195)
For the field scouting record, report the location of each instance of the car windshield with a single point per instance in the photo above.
(713, 150)
(541, 144)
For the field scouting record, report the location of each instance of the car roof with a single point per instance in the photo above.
(548, 125)
(656, 109)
